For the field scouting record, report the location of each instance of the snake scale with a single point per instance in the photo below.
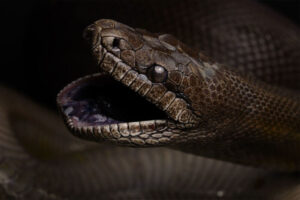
(252, 119)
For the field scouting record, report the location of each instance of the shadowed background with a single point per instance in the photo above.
(43, 45)
(44, 50)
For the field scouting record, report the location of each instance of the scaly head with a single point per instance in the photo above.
(144, 92)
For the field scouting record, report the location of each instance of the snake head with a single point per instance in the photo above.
(142, 95)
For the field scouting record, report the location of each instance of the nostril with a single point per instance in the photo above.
(116, 43)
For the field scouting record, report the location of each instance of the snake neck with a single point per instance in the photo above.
(246, 121)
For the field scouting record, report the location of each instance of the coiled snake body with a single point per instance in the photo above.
(153, 90)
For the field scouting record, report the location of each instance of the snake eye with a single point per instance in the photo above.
(157, 74)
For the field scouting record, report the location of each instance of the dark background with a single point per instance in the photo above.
(42, 42)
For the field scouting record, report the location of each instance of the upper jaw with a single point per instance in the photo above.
(110, 62)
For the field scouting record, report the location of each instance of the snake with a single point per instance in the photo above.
(195, 104)
(154, 91)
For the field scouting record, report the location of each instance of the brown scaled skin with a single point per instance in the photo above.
(213, 110)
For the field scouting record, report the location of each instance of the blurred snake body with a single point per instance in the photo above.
(245, 111)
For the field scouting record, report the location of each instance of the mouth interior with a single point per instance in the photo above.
(101, 100)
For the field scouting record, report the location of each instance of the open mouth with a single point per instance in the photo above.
(98, 100)
(122, 103)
